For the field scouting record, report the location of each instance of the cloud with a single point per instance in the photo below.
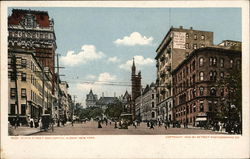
(139, 61)
(91, 77)
(113, 59)
(100, 86)
(133, 39)
(87, 53)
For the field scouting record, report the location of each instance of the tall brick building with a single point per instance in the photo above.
(196, 91)
(174, 48)
(33, 31)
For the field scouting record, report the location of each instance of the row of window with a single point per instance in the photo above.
(13, 93)
(213, 62)
(212, 106)
(34, 35)
(13, 109)
(195, 46)
(202, 37)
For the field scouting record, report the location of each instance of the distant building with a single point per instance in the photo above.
(126, 102)
(103, 102)
(197, 96)
(174, 48)
(136, 87)
(91, 99)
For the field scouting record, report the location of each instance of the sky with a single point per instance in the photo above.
(97, 45)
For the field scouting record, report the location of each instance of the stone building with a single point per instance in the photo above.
(148, 106)
(103, 102)
(196, 91)
(174, 48)
(30, 89)
(33, 30)
(126, 102)
(136, 87)
(91, 99)
(64, 102)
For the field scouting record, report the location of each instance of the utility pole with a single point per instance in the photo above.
(58, 89)
(13, 63)
(74, 96)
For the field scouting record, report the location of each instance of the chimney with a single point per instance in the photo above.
(191, 28)
(181, 27)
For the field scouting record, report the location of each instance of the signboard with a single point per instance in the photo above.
(179, 40)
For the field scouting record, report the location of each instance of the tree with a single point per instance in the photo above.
(232, 103)
(114, 110)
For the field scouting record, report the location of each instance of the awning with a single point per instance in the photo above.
(201, 119)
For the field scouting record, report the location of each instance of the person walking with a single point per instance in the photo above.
(99, 124)
(72, 122)
(31, 122)
(151, 125)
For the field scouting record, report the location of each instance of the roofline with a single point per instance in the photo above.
(196, 51)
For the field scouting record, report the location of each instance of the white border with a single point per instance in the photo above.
(141, 146)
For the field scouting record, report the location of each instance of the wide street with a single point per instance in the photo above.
(90, 128)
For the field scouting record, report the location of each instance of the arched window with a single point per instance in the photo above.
(201, 76)
(212, 91)
(201, 61)
(221, 62)
(214, 61)
(201, 91)
(153, 114)
(231, 63)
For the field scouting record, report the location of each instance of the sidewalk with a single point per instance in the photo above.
(23, 131)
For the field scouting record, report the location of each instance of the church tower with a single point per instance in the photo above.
(136, 87)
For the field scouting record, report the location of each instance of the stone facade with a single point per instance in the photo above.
(91, 99)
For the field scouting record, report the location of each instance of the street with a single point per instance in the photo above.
(90, 128)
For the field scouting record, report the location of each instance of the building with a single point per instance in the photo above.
(91, 99)
(197, 93)
(148, 106)
(103, 102)
(174, 48)
(136, 87)
(30, 87)
(34, 30)
(64, 108)
(126, 102)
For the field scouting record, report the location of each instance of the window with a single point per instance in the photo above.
(210, 61)
(13, 92)
(202, 37)
(187, 45)
(23, 109)
(195, 46)
(12, 109)
(201, 62)
(187, 35)
(12, 76)
(201, 91)
(210, 106)
(194, 108)
(23, 92)
(222, 75)
(201, 76)
(194, 92)
(195, 36)
(202, 45)
(221, 63)
(24, 63)
(214, 61)
(153, 114)
(153, 96)
(231, 63)
(201, 106)
(214, 75)
(153, 104)
(23, 76)
(212, 91)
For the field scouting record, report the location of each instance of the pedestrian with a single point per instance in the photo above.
(31, 122)
(99, 124)
(134, 124)
(166, 125)
(72, 122)
(115, 124)
(151, 125)
(220, 127)
(40, 123)
(147, 123)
